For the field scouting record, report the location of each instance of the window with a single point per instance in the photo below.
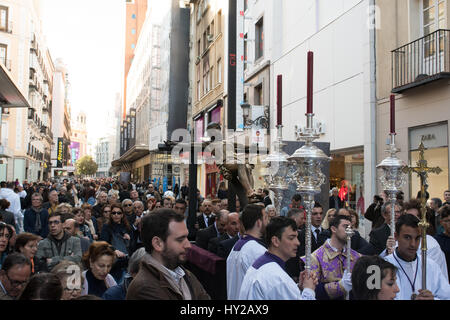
(198, 83)
(211, 29)
(199, 50)
(133, 31)
(3, 53)
(133, 16)
(3, 18)
(258, 95)
(433, 18)
(211, 78)
(133, 46)
(245, 5)
(205, 41)
(219, 70)
(259, 43)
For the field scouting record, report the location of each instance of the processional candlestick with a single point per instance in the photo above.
(309, 160)
(422, 171)
(393, 176)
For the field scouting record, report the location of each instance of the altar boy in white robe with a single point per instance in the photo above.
(409, 264)
(267, 279)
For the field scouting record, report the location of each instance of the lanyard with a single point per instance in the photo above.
(417, 268)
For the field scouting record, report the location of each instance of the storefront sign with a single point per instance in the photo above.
(60, 153)
(435, 136)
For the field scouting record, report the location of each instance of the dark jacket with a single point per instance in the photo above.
(373, 213)
(213, 243)
(29, 222)
(118, 292)
(203, 236)
(224, 248)
(113, 234)
(294, 265)
(358, 243)
(267, 201)
(150, 284)
(378, 238)
(8, 218)
(332, 203)
(444, 242)
(201, 221)
(97, 210)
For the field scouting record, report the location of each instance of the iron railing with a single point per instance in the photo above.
(421, 61)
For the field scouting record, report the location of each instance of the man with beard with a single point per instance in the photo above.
(161, 275)
(59, 245)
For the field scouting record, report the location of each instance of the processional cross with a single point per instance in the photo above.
(422, 171)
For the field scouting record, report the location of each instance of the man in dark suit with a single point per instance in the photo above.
(231, 230)
(335, 201)
(267, 199)
(293, 265)
(213, 231)
(205, 219)
(380, 235)
(224, 248)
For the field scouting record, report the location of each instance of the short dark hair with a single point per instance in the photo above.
(317, 205)
(336, 221)
(297, 197)
(361, 274)
(277, 226)
(437, 201)
(14, 259)
(42, 286)
(250, 215)
(181, 201)
(408, 220)
(157, 225)
(265, 191)
(444, 211)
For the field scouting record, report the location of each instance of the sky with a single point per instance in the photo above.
(89, 36)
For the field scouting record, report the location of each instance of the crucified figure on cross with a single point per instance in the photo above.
(422, 171)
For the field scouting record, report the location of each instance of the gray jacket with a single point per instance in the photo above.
(68, 248)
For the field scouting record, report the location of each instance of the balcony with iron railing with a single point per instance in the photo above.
(422, 61)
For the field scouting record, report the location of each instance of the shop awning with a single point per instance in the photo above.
(10, 94)
(135, 153)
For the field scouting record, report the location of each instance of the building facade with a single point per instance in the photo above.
(26, 133)
(413, 62)
(78, 138)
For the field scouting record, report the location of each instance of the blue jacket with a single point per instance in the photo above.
(29, 222)
(118, 292)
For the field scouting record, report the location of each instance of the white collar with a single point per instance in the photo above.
(176, 274)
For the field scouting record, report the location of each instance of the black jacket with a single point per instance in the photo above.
(373, 213)
(378, 238)
(332, 203)
(294, 266)
(213, 243)
(201, 221)
(225, 246)
(267, 201)
(8, 218)
(203, 236)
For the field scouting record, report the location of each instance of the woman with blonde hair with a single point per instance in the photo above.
(326, 220)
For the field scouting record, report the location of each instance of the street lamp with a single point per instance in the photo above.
(261, 121)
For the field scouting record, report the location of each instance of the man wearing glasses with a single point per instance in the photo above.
(14, 275)
(59, 245)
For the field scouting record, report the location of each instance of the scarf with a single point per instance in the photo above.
(179, 286)
(37, 225)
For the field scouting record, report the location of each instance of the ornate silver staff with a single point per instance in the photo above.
(309, 160)
(349, 232)
(277, 165)
(393, 177)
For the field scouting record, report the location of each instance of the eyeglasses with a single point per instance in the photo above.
(54, 222)
(16, 283)
(128, 205)
(116, 212)
(74, 290)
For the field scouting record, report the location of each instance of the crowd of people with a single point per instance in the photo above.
(102, 239)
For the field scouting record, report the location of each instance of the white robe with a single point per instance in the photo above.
(436, 282)
(266, 279)
(434, 252)
(238, 262)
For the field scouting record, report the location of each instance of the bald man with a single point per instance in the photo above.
(72, 227)
(231, 230)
